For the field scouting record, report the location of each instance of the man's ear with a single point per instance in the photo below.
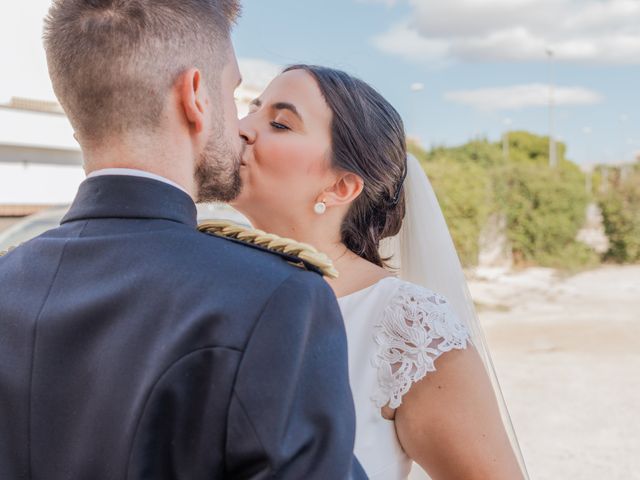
(193, 98)
(346, 188)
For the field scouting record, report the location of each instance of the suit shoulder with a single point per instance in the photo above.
(295, 253)
(5, 252)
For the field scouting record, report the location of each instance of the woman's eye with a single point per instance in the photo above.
(279, 126)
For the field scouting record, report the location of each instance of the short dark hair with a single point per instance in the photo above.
(368, 139)
(112, 62)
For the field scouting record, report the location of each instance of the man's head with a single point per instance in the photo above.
(149, 69)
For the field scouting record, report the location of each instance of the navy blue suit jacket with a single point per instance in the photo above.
(134, 347)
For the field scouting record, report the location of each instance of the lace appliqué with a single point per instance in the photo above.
(417, 327)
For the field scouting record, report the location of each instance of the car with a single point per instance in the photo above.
(38, 223)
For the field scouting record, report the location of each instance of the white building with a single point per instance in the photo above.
(40, 161)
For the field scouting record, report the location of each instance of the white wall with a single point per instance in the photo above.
(40, 160)
(36, 129)
(38, 184)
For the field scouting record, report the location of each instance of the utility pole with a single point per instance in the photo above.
(553, 160)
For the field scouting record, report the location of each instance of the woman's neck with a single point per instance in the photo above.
(324, 236)
(356, 273)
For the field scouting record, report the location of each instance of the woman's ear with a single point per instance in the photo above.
(193, 98)
(347, 187)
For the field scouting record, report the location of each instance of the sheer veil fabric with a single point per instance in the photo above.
(423, 253)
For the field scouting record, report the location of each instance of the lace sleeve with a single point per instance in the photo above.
(417, 327)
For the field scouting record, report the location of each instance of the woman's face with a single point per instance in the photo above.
(286, 165)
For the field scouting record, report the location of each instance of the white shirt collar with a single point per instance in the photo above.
(132, 172)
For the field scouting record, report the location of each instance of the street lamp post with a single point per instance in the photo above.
(553, 160)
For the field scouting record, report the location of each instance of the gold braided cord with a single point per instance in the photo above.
(4, 252)
(305, 252)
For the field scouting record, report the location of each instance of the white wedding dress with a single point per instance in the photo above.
(395, 332)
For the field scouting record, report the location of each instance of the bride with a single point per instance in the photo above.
(326, 164)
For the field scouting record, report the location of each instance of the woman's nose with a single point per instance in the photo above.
(247, 132)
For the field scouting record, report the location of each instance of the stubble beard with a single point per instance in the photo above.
(217, 172)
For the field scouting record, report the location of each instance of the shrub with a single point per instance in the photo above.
(525, 147)
(464, 193)
(545, 207)
(619, 201)
(479, 152)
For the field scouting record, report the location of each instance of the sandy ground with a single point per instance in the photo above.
(567, 353)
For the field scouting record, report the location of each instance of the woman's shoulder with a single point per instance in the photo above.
(403, 297)
(417, 326)
(412, 310)
(411, 293)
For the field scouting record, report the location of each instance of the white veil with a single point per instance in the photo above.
(423, 253)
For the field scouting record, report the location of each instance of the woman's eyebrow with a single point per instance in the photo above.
(279, 106)
(287, 106)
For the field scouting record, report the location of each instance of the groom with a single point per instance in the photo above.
(131, 345)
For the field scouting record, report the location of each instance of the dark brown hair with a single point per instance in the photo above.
(112, 62)
(368, 139)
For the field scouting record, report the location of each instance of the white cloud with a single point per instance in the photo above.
(522, 96)
(591, 31)
(408, 43)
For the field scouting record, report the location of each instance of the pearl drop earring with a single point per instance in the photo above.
(320, 208)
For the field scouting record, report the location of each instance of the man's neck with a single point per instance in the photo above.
(166, 165)
(135, 173)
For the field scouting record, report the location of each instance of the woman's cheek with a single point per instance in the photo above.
(286, 157)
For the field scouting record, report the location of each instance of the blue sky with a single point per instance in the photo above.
(482, 63)
(460, 50)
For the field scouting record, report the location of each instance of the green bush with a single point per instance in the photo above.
(545, 209)
(619, 200)
(479, 152)
(464, 193)
(525, 147)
